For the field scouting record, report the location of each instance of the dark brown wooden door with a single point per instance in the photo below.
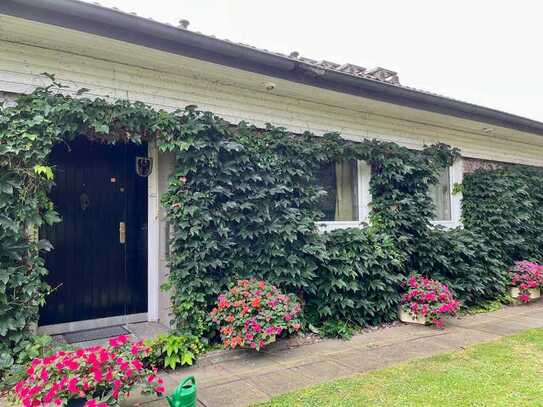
(95, 274)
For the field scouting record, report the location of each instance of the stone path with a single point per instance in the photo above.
(255, 377)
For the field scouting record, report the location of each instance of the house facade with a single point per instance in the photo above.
(111, 248)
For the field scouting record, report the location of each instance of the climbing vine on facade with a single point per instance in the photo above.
(242, 202)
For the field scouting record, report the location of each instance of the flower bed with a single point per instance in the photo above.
(253, 314)
(101, 375)
(427, 301)
(526, 281)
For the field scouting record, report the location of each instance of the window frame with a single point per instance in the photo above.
(456, 176)
(363, 173)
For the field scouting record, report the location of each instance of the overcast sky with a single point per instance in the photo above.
(481, 51)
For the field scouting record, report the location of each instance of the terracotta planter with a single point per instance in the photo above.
(410, 318)
(534, 293)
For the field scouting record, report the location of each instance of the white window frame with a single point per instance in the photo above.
(363, 172)
(456, 176)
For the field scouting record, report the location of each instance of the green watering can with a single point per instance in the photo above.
(184, 394)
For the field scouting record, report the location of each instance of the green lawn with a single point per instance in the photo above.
(508, 372)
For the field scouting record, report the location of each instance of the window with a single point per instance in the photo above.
(448, 206)
(340, 181)
(441, 195)
(347, 200)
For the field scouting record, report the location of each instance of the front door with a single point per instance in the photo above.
(98, 267)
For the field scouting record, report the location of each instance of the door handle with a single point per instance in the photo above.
(122, 232)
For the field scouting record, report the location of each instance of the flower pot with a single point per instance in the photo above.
(534, 293)
(408, 317)
(78, 402)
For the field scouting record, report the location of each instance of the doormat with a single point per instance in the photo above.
(94, 334)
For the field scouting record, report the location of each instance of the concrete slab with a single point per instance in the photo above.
(205, 377)
(324, 370)
(359, 360)
(461, 337)
(239, 394)
(280, 382)
(502, 327)
(147, 330)
(257, 363)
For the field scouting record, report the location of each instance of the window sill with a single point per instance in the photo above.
(329, 226)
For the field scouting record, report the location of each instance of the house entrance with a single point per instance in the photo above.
(98, 267)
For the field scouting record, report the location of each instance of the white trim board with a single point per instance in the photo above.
(153, 237)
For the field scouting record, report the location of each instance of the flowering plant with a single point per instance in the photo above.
(254, 313)
(102, 375)
(430, 299)
(526, 275)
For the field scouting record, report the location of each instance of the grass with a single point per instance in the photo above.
(507, 372)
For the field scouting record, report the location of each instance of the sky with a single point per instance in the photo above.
(480, 51)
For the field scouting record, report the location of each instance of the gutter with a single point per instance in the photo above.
(112, 23)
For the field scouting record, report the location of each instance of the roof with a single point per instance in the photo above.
(378, 83)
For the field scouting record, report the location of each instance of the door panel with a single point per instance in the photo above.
(95, 274)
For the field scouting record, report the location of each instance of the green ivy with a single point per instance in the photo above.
(359, 278)
(505, 206)
(242, 202)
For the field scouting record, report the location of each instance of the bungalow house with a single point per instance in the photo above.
(109, 260)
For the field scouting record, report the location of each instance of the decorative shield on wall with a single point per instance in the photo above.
(144, 166)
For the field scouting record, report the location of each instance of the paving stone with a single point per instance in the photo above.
(146, 330)
(415, 349)
(533, 321)
(297, 356)
(396, 334)
(501, 327)
(239, 393)
(461, 337)
(205, 376)
(258, 363)
(280, 382)
(359, 360)
(471, 320)
(324, 370)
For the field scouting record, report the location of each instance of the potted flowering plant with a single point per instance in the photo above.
(96, 376)
(526, 281)
(252, 314)
(426, 302)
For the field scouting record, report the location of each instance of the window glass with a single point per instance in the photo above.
(441, 195)
(340, 182)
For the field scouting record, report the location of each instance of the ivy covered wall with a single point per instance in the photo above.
(242, 202)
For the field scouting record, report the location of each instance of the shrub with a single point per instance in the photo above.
(102, 375)
(171, 350)
(359, 278)
(429, 298)
(253, 314)
(526, 275)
